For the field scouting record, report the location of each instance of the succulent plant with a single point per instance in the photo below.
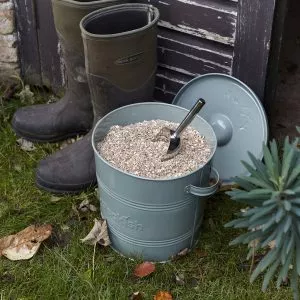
(272, 190)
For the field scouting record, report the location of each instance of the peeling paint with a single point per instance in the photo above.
(216, 8)
(171, 78)
(180, 70)
(164, 3)
(200, 59)
(196, 47)
(199, 32)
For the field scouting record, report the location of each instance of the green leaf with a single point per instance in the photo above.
(285, 268)
(297, 255)
(250, 212)
(271, 201)
(269, 161)
(269, 239)
(278, 241)
(296, 186)
(296, 201)
(287, 224)
(264, 263)
(276, 160)
(296, 211)
(259, 222)
(270, 274)
(287, 164)
(287, 205)
(259, 194)
(269, 223)
(298, 129)
(263, 211)
(244, 184)
(260, 167)
(280, 214)
(234, 222)
(245, 238)
(255, 173)
(283, 250)
(294, 174)
(257, 182)
(291, 244)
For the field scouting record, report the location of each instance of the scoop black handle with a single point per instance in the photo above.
(189, 118)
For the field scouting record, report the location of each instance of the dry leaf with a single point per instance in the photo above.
(24, 244)
(181, 254)
(161, 295)
(85, 206)
(228, 187)
(98, 234)
(201, 253)
(70, 141)
(26, 145)
(179, 279)
(136, 296)
(144, 269)
(55, 199)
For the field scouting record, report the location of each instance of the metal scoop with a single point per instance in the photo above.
(173, 137)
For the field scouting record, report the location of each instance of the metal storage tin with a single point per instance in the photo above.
(150, 218)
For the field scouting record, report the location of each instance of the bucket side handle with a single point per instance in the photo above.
(205, 191)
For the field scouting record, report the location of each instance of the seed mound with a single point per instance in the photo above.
(131, 148)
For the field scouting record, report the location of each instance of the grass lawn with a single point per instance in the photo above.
(63, 267)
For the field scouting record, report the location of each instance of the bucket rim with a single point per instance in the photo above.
(142, 7)
(97, 154)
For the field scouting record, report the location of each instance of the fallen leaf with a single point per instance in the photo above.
(92, 208)
(109, 258)
(70, 141)
(228, 187)
(55, 199)
(162, 295)
(200, 253)
(65, 228)
(144, 269)
(179, 279)
(136, 296)
(98, 234)
(17, 168)
(181, 254)
(85, 206)
(26, 145)
(24, 244)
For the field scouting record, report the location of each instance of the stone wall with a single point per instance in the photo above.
(9, 62)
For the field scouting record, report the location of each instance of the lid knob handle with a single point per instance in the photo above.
(222, 127)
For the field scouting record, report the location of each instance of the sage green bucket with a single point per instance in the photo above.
(153, 219)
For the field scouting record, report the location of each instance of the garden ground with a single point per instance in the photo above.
(64, 268)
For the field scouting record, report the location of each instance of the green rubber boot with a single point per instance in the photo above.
(120, 45)
(73, 114)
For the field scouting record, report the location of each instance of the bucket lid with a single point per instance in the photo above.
(236, 115)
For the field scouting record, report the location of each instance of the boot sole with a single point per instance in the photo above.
(45, 138)
(64, 189)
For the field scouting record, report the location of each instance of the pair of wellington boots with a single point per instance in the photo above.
(109, 51)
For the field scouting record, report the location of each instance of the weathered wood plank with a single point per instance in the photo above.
(210, 19)
(48, 46)
(253, 42)
(168, 83)
(28, 41)
(192, 55)
(275, 52)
